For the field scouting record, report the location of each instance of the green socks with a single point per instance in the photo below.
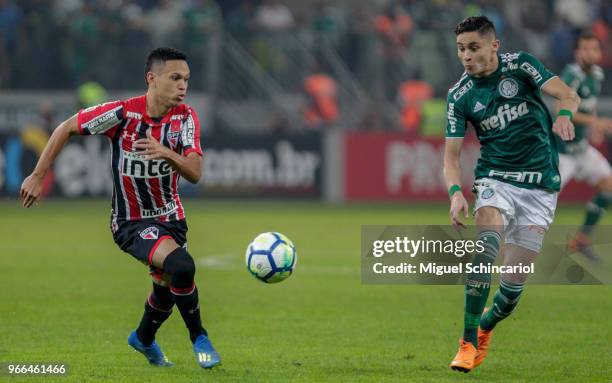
(595, 209)
(477, 286)
(505, 300)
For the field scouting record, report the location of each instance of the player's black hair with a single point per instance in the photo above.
(585, 35)
(480, 24)
(161, 55)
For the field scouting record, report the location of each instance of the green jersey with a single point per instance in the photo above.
(588, 87)
(512, 123)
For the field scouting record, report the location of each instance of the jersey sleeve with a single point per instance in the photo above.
(100, 119)
(190, 135)
(455, 117)
(569, 77)
(533, 70)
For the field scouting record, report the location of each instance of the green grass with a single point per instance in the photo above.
(69, 294)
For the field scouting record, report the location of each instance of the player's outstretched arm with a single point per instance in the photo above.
(189, 167)
(600, 126)
(568, 102)
(452, 177)
(32, 186)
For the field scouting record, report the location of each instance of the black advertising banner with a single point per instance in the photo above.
(271, 165)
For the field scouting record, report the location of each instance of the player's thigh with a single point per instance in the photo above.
(494, 207)
(159, 254)
(567, 168)
(533, 218)
(490, 218)
(595, 169)
(148, 242)
(536, 207)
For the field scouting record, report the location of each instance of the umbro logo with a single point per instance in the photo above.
(478, 107)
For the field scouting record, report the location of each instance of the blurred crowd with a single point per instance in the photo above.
(369, 49)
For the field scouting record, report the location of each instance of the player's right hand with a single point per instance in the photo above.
(458, 204)
(564, 128)
(31, 189)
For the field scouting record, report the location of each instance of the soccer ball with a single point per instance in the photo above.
(271, 257)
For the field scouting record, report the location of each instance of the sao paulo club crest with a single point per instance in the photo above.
(173, 134)
(149, 233)
(508, 87)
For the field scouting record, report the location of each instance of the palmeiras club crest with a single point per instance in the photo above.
(149, 233)
(508, 87)
(487, 193)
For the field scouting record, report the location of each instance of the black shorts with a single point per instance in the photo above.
(141, 238)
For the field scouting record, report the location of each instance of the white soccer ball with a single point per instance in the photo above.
(271, 257)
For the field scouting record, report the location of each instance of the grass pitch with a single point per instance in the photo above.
(70, 295)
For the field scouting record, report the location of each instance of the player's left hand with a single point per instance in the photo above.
(564, 128)
(150, 148)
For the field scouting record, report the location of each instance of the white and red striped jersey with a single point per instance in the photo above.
(143, 189)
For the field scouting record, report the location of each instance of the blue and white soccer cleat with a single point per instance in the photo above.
(205, 353)
(153, 353)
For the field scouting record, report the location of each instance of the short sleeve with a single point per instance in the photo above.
(190, 134)
(455, 118)
(100, 119)
(534, 71)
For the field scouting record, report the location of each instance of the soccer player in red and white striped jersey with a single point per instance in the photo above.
(155, 139)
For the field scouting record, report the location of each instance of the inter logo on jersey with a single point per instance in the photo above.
(150, 233)
(134, 165)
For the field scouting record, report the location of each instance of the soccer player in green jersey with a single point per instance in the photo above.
(517, 178)
(577, 158)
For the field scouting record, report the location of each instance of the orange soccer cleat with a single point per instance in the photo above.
(484, 338)
(464, 360)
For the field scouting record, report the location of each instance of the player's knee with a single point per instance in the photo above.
(529, 237)
(515, 278)
(605, 185)
(181, 267)
(489, 216)
(160, 277)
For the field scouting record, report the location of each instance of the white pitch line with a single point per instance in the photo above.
(228, 262)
